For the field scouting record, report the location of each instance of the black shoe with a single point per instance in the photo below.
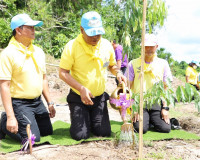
(175, 124)
(2, 135)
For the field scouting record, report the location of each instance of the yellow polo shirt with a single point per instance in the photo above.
(153, 73)
(88, 64)
(25, 80)
(192, 74)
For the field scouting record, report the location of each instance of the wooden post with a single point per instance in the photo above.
(141, 82)
(28, 130)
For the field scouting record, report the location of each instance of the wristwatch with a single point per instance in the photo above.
(166, 108)
(50, 103)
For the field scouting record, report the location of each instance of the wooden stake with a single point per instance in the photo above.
(141, 82)
(28, 130)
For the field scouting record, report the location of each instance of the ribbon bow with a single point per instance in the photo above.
(25, 50)
(123, 103)
(25, 142)
(93, 51)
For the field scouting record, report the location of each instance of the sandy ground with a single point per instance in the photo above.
(109, 150)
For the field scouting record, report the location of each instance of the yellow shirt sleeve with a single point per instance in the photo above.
(67, 59)
(5, 66)
(112, 55)
(188, 71)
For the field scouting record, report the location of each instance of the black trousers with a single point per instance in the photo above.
(153, 117)
(88, 119)
(29, 111)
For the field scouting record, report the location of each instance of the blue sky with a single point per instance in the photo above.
(181, 32)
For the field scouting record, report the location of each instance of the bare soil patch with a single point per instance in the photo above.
(102, 150)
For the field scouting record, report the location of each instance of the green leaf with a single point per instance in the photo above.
(127, 13)
(178, 94)
(135, 26)
(189, 91)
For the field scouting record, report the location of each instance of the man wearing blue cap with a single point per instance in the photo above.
(22, 81)
(83, 67)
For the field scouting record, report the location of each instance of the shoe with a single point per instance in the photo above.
(2, 135)
(175, 124)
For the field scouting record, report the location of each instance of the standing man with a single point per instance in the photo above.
(22, 81)
(121, 61)
(155, 70)
(83, 67)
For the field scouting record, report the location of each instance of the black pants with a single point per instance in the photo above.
(29, 111)
(88, 119)
(153, 117)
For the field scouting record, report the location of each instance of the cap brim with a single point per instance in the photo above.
(34, 23)
(94, 31)
(150, 44)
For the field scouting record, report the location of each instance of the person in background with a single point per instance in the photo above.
(83, 67)
(191, 74)
(122, 62)
(22, 81)
(155, 70)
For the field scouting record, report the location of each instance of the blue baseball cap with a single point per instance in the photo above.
(23, 19)
(195, 62)
(92, 23)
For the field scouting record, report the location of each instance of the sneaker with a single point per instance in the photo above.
(2, 135)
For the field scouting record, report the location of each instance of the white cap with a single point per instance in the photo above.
(150, 40)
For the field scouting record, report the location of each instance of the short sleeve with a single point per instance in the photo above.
(67, 59)
(188, 71)
(167, 73)
(112, 55)
(131, 72)
(5, 66)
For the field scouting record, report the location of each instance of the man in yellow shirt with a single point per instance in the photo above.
(192, 74)
(83, 67)
(22, 81)
(155, 70)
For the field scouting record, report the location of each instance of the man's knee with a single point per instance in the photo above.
(136, 127)
(164, 128)
(79, 135)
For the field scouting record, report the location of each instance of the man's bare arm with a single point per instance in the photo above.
(12, 124)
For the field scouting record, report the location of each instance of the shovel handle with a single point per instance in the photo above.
(28, 129)
(123, 87)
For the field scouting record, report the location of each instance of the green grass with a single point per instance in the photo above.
(62, 99)
(156, 155)
(61, 136)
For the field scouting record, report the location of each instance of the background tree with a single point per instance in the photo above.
(132, 20)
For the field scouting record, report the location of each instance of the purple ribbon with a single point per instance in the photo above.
(122, 102)
(25, 142)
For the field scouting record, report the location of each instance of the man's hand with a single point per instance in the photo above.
(135, 117)
(165, 115)
(86, 96)
(12, 125)
(52, 111)
(121, 77)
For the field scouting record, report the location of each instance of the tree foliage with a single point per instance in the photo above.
(62, 20)
(157, 93)
(132, 20)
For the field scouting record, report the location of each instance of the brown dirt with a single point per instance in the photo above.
(166, 149)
